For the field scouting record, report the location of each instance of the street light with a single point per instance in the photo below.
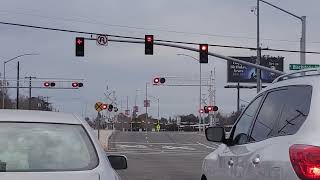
(200, 118)
(4, 73)
(302, 40)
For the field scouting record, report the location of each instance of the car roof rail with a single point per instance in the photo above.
(297, 74)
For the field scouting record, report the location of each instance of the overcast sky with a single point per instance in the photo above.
(124, 67)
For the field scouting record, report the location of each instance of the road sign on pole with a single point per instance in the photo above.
(303, 66)
(99, 106)
(146, 103)
(102, 40)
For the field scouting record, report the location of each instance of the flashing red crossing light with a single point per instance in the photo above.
(208, 109)
(104, 106)
(204, 50)
(79, 46)
(148, 45)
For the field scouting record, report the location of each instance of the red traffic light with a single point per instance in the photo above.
(148, 45)
(104, 106)
(49, 84)
(79, 46)
(156, 80)
(149, 38)
(46, 84)
(77, 84)
(201, 111)
(210, 108)
(204, 50)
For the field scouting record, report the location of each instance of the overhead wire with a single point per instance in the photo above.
(158, 40)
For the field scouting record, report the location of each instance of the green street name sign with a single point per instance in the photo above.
(303, 66)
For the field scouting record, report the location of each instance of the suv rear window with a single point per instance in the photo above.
(283, 112)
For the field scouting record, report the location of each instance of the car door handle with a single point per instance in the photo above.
(256, 161)
(230, 162)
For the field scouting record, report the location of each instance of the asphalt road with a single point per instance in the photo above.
(161, 155)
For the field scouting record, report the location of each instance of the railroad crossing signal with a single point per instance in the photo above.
(148, 50)
(208, 109)
(99, 106)
(204, 49)
(79, 46)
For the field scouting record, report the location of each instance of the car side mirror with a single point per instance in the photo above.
(215, 134)
(118, 162)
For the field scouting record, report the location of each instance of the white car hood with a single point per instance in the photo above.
(48, 176)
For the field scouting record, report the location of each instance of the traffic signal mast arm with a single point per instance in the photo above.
(197, 50)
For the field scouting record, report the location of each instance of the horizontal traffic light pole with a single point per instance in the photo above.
(197, 50)
(27, 87)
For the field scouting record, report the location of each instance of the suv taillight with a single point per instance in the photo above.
(305, 160)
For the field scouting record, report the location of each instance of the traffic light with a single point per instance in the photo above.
(49, 84)
(76, 84)
(148, 50)
(110, 107)
(208, 109)
(104, 106)
(79, 46)
(115, 109)
(158, 80)
(203, 48)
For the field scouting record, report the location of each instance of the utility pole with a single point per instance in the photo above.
(258, 73)
(211, 98)
(303, 40)
(146, 104)
(18, 74)
(200, 106)
(214, 95)
(30, 87)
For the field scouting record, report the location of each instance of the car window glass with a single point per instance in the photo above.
(240, 135)
(282, 113)
(34, 147)
(295, 111)
(268, 115)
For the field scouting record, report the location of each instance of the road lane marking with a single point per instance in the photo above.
(153, 143)
(183, 147)
(132, 146)
(209, 147)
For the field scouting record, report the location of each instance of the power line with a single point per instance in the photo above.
(158, 40)
(90, 21)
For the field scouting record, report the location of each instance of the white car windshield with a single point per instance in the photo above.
(34, 147)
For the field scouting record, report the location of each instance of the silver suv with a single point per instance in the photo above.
(276, 137)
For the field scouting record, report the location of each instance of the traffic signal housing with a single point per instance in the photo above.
(208, 109)
(104, 106)
(159, 80)
(203, 49)
(49, 84)
(76, 84)
(148, 50)
(79, 46)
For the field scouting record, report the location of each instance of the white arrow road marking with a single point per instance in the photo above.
(181, 147)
